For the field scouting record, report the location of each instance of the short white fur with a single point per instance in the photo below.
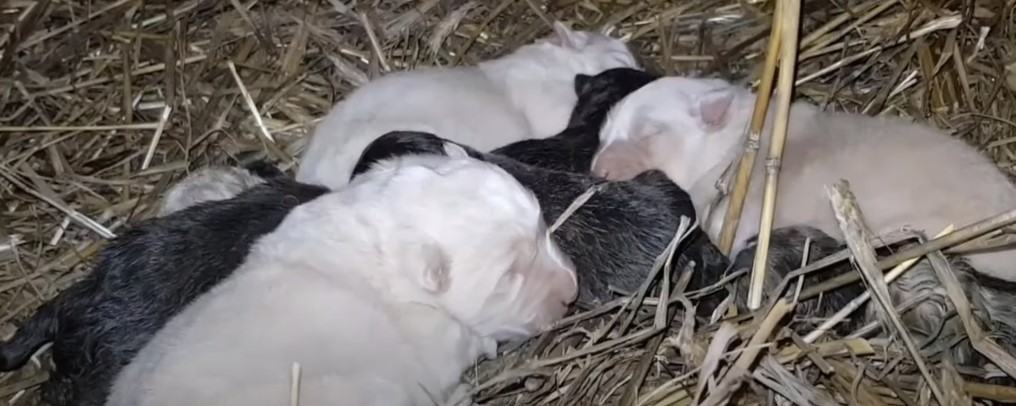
(384, 291)
(528, 93)
(903, 173)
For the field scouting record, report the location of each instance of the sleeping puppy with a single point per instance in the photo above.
(208, 222)
(614, 238)
(383, 292)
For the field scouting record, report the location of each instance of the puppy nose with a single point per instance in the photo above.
(610, 166)
(600, 170)
(568, 282)
(567, 292)
(601, 162)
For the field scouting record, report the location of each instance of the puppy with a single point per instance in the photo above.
(528, 93)
(149, 273)
(383, 292)
(614, 237)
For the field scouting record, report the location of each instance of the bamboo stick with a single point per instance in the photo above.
(790, 14)
(744, 169)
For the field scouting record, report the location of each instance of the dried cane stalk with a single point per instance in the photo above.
(758, 118)
(790, 14)
(856, 234)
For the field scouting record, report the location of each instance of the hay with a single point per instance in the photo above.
(104, 103)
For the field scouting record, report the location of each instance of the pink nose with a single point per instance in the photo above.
(617, 163)
(599, 169)
(565, 283)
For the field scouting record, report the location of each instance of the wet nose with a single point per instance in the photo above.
(616, 162)
(563, 270)
(599, 169)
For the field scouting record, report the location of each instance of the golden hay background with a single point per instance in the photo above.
(85, 87)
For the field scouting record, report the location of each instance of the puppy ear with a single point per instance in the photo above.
(713, 107)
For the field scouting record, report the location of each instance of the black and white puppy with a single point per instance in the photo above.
(208, 223)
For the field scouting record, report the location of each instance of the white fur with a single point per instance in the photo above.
(903, 174)
(384, 292)
(525, 94)
(207, 184)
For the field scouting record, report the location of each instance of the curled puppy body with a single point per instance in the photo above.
(572, 149)
(613, 239)
(930, 319)
(528, 93)
(903, 174)
(147, 274)
(384, 292)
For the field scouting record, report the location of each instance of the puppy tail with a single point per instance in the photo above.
(32, 335)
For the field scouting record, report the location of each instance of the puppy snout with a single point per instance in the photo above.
(613, 165)
(563, 270)
(599, 169)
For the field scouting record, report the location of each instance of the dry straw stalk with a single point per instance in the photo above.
(84, 85)
(747, 163)
(790, 16)
(857, 235)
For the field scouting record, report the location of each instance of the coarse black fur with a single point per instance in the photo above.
(139, 281)
(929, 320)
(393, 147)
(573, 149)
(997, 298)
(614, 238)
(786, 250)
(993, 300)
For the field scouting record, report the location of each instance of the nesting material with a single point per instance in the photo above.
(104, 103)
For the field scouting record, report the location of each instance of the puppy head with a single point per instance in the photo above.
(598, 93)
(473, 238)
(682, 126)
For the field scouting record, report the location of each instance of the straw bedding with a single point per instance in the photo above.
(104, 103)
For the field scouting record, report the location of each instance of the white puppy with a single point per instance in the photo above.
(903, 174)
(525, 94)
(384, 292)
